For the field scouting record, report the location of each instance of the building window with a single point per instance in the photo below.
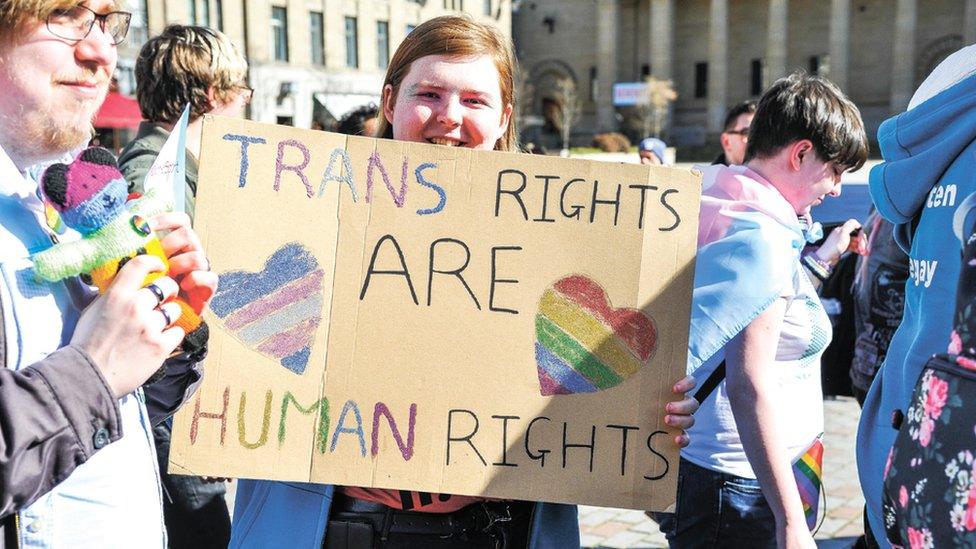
(205, 20)
(454, 5)
(487, 7)
(315, 31)
(756, 77)
(219, 7)
(410, 28)
(138, 26)
(701, 80)
(352, 43)
(820, 65)
(279, 32)
(382, 44)
(191, 10)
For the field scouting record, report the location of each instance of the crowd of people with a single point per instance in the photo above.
(84, 438)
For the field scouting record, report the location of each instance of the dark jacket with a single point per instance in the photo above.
(55, 414)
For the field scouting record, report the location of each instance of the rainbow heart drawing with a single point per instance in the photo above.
(275, 311)
(583, 344)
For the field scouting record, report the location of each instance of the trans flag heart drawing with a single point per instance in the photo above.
(275, 311)
(583, 344)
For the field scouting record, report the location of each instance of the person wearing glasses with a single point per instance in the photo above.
(77, 465)
(735, 133)
(184, 65)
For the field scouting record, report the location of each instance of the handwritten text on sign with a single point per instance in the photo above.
(419, 317)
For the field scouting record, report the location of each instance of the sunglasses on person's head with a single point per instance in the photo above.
(76, 23)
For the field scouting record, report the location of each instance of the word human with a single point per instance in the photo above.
(348, 429)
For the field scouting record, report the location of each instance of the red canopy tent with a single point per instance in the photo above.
(118, 112)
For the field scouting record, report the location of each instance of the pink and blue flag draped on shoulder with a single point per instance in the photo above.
(749, 240)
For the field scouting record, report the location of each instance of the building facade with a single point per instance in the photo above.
(719, 52)
(310, 60)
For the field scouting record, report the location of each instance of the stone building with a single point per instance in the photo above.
(719, 52)
(310, 60)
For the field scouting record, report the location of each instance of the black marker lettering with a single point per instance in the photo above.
(467, 438)
(405, 273)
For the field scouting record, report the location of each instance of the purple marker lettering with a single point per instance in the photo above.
(280, 166)
(406, 450)
(376, 162)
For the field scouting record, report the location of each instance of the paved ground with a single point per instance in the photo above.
(605, 527)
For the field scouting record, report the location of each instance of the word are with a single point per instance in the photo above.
(348, 426)
(463, 426)
(436, 265)
(339, 170)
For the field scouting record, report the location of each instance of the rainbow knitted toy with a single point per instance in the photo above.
(90, 194)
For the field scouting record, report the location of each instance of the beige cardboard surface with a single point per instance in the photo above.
(419, 317)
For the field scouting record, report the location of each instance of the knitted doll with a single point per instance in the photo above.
(90, 194)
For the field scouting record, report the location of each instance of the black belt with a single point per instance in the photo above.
(480, 517)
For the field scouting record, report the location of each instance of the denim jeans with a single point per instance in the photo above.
(717, 510)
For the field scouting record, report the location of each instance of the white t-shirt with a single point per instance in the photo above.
(798, 399)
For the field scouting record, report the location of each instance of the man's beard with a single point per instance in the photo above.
(41, 135)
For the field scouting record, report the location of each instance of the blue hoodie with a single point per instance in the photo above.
(929, 172)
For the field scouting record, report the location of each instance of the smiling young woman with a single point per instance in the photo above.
(450, 83)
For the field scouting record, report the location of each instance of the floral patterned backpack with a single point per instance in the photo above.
(930, 478)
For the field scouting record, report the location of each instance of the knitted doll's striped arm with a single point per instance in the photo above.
(66, 259)
(150, 204)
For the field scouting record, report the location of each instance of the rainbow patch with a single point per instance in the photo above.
(808, 472)
(277, 310)
(583, 344)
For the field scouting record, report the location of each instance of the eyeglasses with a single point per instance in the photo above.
(76, 23)
(247, 92)
(744, 132)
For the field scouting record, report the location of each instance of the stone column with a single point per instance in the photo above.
(662, 38)
(840, 42)
(718, 64)
(776, 40)
(606, 60)
(969, 30)
(903, 55)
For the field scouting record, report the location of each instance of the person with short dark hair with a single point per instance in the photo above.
(360, 121)
(758, 328)
(735, 133)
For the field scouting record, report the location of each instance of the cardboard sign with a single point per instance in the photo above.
(436, 319)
